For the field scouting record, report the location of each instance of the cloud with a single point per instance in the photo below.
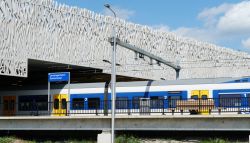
(210, 15)
(226, 25)
(197, 33)
(236, 20)
(120, 12)
(246, 43)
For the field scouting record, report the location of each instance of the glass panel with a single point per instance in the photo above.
(64, 104)
(26, 103)
(33, 105)
(78, 103)
(5, 105)
(121, 102)
(12, 105)
(156, 102)
(230, 100)
(94, 103)
(194, 97)
(172, 101)
(136, 102)
(174, 93)
(248, 99)
(204, 97)
(56, 103)
(42, 102)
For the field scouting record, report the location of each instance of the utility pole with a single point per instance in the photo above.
(113, 78)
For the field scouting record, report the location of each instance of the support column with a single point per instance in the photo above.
(104, 137)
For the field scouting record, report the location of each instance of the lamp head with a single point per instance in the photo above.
(107, 5)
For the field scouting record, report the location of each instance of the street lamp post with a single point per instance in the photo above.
(113, 78)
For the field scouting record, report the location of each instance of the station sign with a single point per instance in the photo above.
(58, 76)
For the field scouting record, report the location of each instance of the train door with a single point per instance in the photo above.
(60, 104)
(202, 105)
(9, 105)
(200, 94)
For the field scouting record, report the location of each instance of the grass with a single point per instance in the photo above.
(126, 139)
(119, 139)
(218, 140)
(6, 139)
(14, 139)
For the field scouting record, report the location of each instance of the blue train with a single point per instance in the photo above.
(95, 96)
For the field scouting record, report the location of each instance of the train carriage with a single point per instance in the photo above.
(153, 96)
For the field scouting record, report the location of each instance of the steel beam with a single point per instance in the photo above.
(176, 67)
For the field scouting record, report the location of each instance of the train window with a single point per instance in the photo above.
(156, 101)
(172, 101)
(23, 106)
(136, 102)
(248, 99)
(64, 104)
(78, 103)
(24, 103)
(245, 80)
(174, 93)
(31, 102)
(154, 97)
(230, 100)
(194, 97)
(121, 102)
(203, 97)
(56, 103)
(93, 103)
(6, 105)
(12, 105)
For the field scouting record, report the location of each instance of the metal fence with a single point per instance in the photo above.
(143, 106)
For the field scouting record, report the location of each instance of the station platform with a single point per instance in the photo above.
(237, 122)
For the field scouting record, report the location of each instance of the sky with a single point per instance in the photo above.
(222, 22)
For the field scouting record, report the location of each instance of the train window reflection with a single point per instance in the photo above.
(121, 102)
(5, 105)
(136, 102)
(204, 97)
(12, 104)
(248, 99)
(56, 104)
(64, 103)
(29, 102)
(156, 101)
(230, 100)
(93, 103)
(172, 101)
(194, 97)
(78, 103)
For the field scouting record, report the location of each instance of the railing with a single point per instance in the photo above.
(128, 107)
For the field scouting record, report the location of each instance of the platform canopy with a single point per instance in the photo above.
(46, 31)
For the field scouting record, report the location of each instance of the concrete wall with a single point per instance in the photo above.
(167, 123)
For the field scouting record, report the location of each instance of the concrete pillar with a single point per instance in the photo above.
(104, 137)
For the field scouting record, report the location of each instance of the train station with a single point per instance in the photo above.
(160, 77)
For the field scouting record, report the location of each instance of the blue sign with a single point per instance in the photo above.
(60, 76)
